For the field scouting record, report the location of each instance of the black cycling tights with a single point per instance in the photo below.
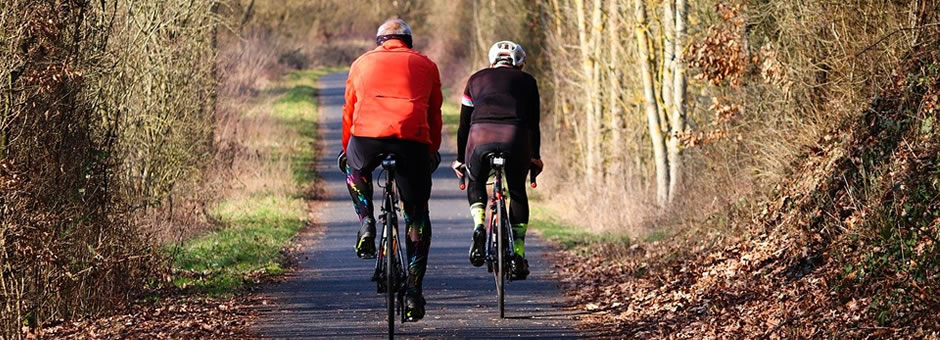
(486, 138)
(414, 187)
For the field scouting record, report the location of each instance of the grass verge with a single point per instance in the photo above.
(256, 226)
(574, 238)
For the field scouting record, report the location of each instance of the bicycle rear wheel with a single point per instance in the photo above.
(500, 259)
(391, 274)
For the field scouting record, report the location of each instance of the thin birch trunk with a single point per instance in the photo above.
(614, 90)
(668, 61)
(478, 33)
(678, 115)
(555, 35)
(587, 67)
(596, 94)
(652, 112)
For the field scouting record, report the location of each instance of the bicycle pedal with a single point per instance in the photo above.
(379, 280)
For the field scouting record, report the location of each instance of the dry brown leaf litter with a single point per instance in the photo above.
(172, 318)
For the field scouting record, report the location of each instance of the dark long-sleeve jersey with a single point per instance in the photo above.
(501, 95)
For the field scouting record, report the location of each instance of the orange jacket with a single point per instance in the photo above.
(393, 91)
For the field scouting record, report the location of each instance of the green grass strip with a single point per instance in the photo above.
(571, 237)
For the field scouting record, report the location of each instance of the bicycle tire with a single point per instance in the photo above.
(391, 291)
(500, 260)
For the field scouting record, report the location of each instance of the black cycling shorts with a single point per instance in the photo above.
(486, 138)
(364, 154)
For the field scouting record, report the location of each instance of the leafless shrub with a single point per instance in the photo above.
(340, 53)
(294, 59)
(247, 63)
(106, 108)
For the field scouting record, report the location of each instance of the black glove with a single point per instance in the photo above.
(435, 161)
(535, 167)
(341, 161)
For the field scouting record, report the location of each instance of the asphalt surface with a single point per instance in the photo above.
(330, 294)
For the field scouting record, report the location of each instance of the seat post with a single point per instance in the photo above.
(497, 159)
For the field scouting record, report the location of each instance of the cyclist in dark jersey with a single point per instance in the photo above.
(500, 113)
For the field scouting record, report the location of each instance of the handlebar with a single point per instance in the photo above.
(462, 180)
(533, 172)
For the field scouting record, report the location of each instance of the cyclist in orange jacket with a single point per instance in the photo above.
(500, 113)
(393, 105)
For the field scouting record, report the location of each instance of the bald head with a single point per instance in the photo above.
(394, 26)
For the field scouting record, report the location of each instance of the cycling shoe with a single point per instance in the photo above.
(477, 249)
(519, 268)
(365, 239)
(414, 306)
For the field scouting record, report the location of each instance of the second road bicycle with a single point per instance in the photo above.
(499, 237)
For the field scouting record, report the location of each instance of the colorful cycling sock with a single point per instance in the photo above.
(518, 238)
(360, 189)
(479, 215)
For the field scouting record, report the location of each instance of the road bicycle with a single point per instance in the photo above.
(390, 272)
(499, 237)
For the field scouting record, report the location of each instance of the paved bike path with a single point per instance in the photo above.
(330, 294)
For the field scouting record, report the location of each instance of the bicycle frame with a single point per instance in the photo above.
(390, 266)
(498, 213)
(499, 233)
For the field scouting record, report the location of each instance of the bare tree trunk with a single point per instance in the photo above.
(480, 38)
(587, 66)
(668, 61)
(553, 10)
(614, 90)
(652, 112)
(678, 117)
(596, 94)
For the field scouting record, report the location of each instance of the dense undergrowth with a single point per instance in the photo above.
(123, 126)
(106, 110)
(847, 246)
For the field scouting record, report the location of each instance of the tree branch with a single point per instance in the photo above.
(902, 29)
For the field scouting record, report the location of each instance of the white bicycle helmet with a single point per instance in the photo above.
(507, 52)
